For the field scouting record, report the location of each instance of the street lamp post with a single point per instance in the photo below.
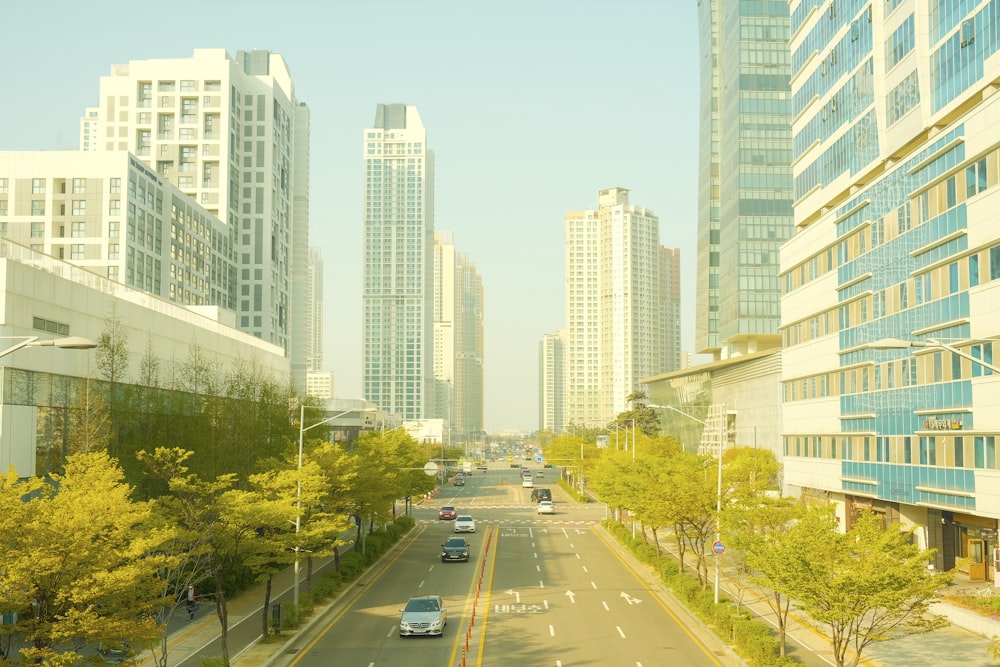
(718, 493)
(898, 344)
(298, 490)
(70, 343)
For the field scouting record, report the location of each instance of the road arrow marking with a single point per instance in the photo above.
(631, 600)
(572, 596)
(517, 596)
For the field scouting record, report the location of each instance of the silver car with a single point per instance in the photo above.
(423, 615)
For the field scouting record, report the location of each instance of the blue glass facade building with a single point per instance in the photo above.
(897, 214)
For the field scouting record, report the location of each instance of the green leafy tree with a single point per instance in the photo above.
(112, 355)
(867, 585)
(216, 520)
(81, 561)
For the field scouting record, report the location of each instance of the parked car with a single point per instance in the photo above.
(455, 548)
(447, 513)
(464, 524)
(546, 507)
(423, 615)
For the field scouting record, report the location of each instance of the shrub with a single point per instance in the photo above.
(351, 565)
(326, 586)
(755, 643)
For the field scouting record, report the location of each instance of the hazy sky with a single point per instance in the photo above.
(531, 107)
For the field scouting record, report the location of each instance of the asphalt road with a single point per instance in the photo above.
(538, 590)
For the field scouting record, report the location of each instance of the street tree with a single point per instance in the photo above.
(215, 523)
(81, 561)
(867, 585)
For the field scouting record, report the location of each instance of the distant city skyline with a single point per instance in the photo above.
(527, 118)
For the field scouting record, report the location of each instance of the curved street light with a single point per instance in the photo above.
(298, 490)
(68, 343)
(899, 344)
(718, 493)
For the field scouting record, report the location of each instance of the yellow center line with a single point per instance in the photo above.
(470, 600)
(486, 599)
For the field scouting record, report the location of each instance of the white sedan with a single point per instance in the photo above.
(546, 507)
(465, 524)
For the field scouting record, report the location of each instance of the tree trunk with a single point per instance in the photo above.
(222, 611)
(264, 630)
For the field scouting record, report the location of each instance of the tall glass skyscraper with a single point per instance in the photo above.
(892, 280)
(397, 294)
(745, 191)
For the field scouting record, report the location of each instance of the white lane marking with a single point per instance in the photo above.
(565, 532)
(619, 629)
(577, 556)
(421, 584)
(546, 603)
(631, 600)
(572, 597)
(593, 585)
(552, 631)
(606, 607)
(536, 554)
(531, 533)
(585, 569)
(541, 584)
(538, 568)
(393, 630)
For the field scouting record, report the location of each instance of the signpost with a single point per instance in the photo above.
(719, 548)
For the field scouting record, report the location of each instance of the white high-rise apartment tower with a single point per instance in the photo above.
(613, 306)
(230, 134)
(397, 295)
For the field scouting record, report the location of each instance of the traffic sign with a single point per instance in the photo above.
(719, 548)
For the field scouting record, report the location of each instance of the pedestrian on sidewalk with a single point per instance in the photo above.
(192, 601)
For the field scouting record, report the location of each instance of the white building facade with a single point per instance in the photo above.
(230, 133)
(614, 307)
(398, 282)
(897, 237)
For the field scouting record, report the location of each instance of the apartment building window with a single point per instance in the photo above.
(38, 230)
(3, 186)
(166, 86)
(76, 251)
(187, 134)
(143, 142)
(114, 228)
(113, 273)
(114, 207)
(38, 186)
(78, 230)
(144, 118)
(79, 186)
(115, 186)
(213, 86)
(112, 251)
(975, 178)
(79, 207)
(37, 207)
(189, 109)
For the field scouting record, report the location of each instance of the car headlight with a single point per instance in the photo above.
(436, 623)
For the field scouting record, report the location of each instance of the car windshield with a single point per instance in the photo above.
(464, 518)
(422, 604)
(447, 508)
